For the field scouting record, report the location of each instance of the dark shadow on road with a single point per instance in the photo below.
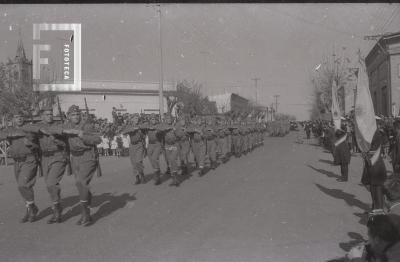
(325, 172)
(110, 203)
(340, 194)
(65, 203)
(356, 239)
(326, 161)
(363, 218)
(107, 202)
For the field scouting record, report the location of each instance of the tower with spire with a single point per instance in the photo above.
(19, 69)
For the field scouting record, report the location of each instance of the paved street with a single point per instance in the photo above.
(280, 203)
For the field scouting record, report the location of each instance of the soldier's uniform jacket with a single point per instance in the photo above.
(55, 142)
(170, 136)
(209, 132)
(196, 133)
(181, 132)
(374, 174)
(242, 130)
(135, 134)
(221, 131)
(154, 134)
(22, 143)
(87, 141)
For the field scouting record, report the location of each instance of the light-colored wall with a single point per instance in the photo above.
(133, 103)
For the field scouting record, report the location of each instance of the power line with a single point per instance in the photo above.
(390, 20)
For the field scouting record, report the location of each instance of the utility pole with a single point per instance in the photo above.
(161, 87)
(276, 102)
(256, 79)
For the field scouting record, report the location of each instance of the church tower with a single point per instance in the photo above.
(19, 69)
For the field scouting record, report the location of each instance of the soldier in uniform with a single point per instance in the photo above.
(23, 149)
(211, 144)
(82, 141)
(236, 140)
(221, 141)
(53, 158)
(184, 144)
(137, 150)
(171, 149)
(154, 136)
(197, 143)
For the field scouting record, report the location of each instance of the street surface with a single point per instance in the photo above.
(281, 203)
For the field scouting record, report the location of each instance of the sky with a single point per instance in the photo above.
(221, 46)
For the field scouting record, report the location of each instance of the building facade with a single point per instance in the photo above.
(229, 102)
(102, 96)
(383, 68)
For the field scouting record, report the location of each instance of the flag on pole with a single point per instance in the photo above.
(365, 122)
(335, 107)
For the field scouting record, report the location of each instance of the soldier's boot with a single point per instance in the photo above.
(213, 165)
(157, 177)
(137, 182)
(168, 172)
(85, 219)
(28, 212)
(184, 169)
(175, 180)
(142, 178)
(57, 213)
(32, 210)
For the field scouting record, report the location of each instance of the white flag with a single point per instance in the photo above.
(365, 122)
(335, 106)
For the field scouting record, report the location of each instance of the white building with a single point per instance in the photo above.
(102, 96)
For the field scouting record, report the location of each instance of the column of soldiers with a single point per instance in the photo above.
(211, 141)
(52, 149)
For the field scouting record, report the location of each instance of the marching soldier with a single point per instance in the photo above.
(221, 141)
(197, 144)
(236, 140)
(137, 150)
(24, 150)
(184, 145)
(53, 159)
(154, 136)
(81, 139)
(171, 147)
(211, 144)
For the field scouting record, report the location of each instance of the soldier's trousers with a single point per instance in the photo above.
(228, 144)
(237, 144)
(221, 147)
(153, 152)
(136, 155)
(184, 149)
(211, 150)
(25, 174)
(172, 157)
(53, 168)
(199, 152)
(83, 167)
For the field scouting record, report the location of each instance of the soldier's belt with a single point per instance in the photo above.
(22, 158)
(51, 153)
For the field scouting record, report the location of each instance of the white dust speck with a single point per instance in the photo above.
(182, 56)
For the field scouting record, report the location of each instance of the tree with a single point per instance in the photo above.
(190, 99)
(321, 81)
(23, 98)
